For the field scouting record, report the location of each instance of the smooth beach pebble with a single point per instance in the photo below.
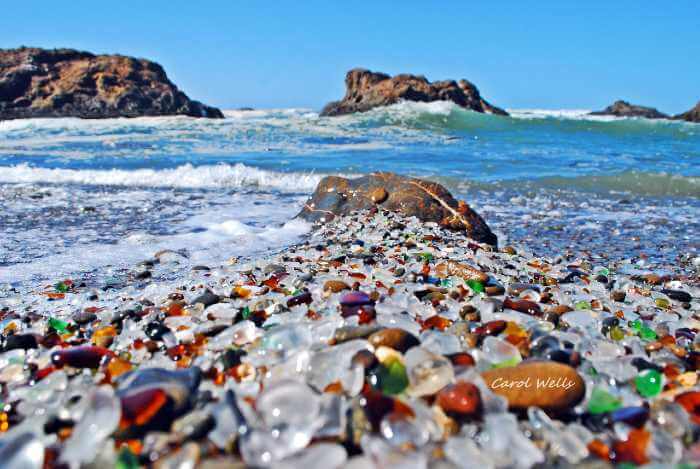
(618, 296)
(20, 341)
(81, 357)
(355, 299)
(678, 295)
(395, 338)
(465, 271)
(551, 386)
(335, 286)
(461, 398)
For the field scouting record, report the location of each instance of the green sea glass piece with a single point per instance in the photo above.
(602, 402)
(58, 325)
(392, 378)
(647, 333)
(476, 286)
(126, 460)
(649, 383)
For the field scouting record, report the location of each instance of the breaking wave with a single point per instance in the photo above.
(186, 176)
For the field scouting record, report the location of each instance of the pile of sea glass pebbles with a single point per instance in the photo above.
(379, 342)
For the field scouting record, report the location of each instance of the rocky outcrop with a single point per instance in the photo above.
(625, 109)
(428, 201)
(366, 90)
(691, 116)
(69, 83)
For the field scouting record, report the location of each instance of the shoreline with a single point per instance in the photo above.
(373, 340)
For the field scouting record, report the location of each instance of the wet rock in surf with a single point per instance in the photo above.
(427, 201)
(366, 90)
(624, 109)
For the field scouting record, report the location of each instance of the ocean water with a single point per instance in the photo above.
(88, 199)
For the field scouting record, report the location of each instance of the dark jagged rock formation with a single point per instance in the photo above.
(69, 83)
(366, 90)
(691, 116)
(625, 109)
(428, 201)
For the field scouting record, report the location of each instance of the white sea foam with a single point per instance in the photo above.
(575, 114)
(411, 108)
(216, 242)
(186, 176)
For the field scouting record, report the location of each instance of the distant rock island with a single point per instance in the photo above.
(691, 116)
(69, 83)
(624, 109)
(367, 90)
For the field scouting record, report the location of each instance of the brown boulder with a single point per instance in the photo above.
(624, 109)
(551, 386)
(691, 116)
(69, 83)
(428, 201)
(366, 90)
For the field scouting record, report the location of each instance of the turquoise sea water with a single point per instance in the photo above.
(84, 197)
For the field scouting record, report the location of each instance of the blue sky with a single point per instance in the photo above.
(546, 54)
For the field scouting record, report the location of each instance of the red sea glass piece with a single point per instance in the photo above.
(523, 306)
(690, 401)
(634, 449)
(491, 327)
(461, 398)
(461, 359)
(140, 407)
